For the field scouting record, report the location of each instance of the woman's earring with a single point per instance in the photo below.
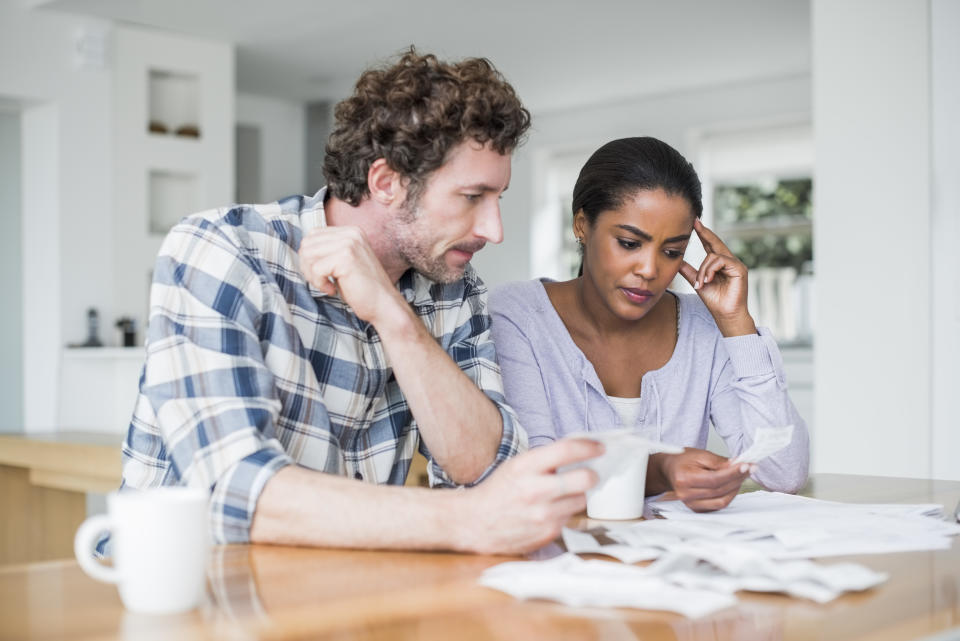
(580, 241)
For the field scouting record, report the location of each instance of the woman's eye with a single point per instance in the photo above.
(628, 244)
(472, 198)
(674, 254)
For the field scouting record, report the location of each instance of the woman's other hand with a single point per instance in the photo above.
(704, 481)
(721, 283)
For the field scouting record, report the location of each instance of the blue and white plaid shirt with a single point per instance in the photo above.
(249, 368)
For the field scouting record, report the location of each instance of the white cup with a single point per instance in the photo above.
(618, 495)
(160, 542)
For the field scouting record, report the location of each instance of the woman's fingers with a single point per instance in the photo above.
(721, 488)
(708, 267)
(689, 272)
(702, 235)
(711, 242)
(722, 263)
(713, 263)
(711, 504)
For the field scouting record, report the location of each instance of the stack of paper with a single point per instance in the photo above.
(783, 526)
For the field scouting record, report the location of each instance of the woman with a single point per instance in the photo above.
(615, 348)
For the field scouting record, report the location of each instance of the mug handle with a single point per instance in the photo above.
(83, 544)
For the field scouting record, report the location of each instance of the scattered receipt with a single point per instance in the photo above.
(579, 583)
(766, 441)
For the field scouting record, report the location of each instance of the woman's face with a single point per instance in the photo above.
(632, 253)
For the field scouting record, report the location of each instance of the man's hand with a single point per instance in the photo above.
(524, 504)
(344, 255)
(703, 480)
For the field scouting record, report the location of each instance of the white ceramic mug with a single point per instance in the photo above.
(160, 542)
(619, 493)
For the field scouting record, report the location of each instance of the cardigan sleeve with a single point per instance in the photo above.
(751, 393)
(523, 382)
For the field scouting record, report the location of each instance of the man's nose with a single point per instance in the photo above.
(488, 226)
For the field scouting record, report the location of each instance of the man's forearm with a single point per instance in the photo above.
(461, 426)
(304, 507)
(521, 507)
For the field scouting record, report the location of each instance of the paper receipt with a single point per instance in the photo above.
(766, 441)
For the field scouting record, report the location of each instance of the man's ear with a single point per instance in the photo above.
(385, 185)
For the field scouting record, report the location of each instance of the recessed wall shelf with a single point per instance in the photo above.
(173, 195)
(174, 104)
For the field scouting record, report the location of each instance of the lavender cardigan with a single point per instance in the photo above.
(737, 383)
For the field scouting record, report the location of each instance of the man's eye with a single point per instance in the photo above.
(628, 244)
(472, 198)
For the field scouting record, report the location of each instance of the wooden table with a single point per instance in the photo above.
(265, 592)
(44, 481)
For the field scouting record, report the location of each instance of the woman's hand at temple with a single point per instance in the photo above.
(721, 283)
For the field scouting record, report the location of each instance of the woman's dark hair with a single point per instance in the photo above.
(412, 113)
(623, 167)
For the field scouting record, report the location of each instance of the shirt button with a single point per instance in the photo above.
(358, 476)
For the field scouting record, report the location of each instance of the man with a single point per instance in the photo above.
(300, 352)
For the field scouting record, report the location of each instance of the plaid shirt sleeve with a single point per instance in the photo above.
(471, 347)
(207, 398)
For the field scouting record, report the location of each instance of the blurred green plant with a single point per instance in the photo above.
(767, 223)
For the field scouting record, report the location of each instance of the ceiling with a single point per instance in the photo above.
(558, 54)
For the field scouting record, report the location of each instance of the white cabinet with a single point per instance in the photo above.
(98, 388)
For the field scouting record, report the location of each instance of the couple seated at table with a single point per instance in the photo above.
(300, 352)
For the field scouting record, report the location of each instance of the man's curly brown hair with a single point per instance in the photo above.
(412, 114)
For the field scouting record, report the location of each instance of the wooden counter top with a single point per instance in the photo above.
(75, 461)
(44, 481)
(267, 592)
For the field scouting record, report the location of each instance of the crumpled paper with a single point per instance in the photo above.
(573, 581)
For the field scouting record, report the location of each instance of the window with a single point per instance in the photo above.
(758, 197)
(553, 247)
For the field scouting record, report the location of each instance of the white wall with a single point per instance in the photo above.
(73, 253)
(945, 136)
(11, 287)
(282, 125)
(672, 117)
(71, 217)
(872, 233)
(42, 266)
